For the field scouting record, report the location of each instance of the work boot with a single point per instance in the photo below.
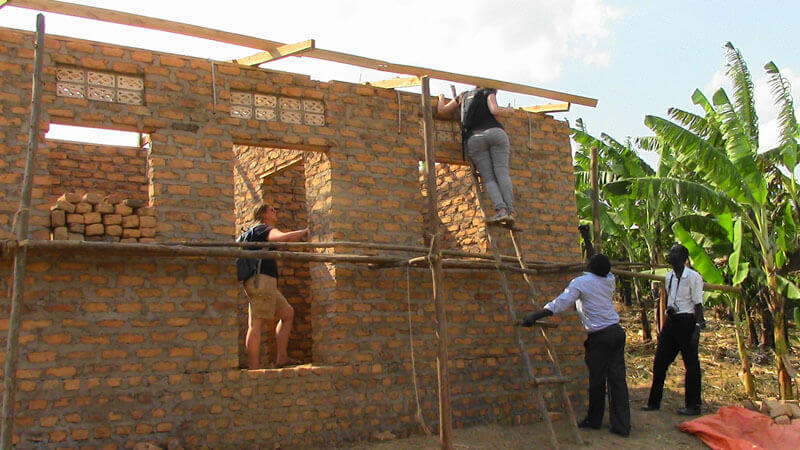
(501, 216)
(689, 411)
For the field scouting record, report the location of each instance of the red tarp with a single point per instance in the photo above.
(737, 428)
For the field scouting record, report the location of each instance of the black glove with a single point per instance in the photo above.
(531, 318)
(670, 311)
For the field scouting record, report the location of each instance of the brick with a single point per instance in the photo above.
(146, 221)
(75, 218)
(83, 207)
(69, 197)
(123, 210)
(91, 198)
(58, 218)
(104, 208)
(95, 229)
(131, 233)
(94, 307)
(76, 231)
(130, 221)
(112, 219)
(60, 234)
(113, 230)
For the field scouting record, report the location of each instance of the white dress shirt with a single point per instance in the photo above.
(593, 297)
(684, 292)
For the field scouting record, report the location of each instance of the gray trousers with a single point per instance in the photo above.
(489, 151)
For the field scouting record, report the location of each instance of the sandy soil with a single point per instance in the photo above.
(651, 430)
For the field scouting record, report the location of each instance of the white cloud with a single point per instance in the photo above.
(718, 80)
(766, 109)
(526, 41)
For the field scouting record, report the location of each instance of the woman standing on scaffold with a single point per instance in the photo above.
(486, 143)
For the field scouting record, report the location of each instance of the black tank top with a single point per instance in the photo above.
(475, 114)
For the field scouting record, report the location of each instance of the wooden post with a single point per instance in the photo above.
(445, 419)
(598, 246)
(10, 371)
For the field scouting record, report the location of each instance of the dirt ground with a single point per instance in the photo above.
(651, 430)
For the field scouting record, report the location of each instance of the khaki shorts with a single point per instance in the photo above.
(265, 298)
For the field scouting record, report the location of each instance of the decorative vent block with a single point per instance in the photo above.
(101, 94)
(130, 83)
(101, 79)
(71, 75)
(246, 105)
(70, 90)
(266, 114)
(99, 86)
(315, 119)
(267, 101)
(242, 112)
(289, 116)
(241, 98)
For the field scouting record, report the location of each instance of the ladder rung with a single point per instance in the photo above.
(551, 380)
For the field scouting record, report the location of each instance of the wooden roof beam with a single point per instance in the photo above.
(548, 108)
(386, 66)
(398, 82)
(277, 53)
(122, 18)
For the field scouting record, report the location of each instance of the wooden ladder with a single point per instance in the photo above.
(537, 382)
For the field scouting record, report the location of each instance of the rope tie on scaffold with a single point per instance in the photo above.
(418, 413)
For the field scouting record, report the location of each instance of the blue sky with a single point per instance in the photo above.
(662, 51)
(635, 57)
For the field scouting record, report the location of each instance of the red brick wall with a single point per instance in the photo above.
(97, 169)
(169, 328)
(277, 177)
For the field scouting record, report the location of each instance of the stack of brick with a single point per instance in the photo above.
(783, 412)
(90, 217)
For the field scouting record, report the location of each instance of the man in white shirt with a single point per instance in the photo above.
(593, 293)
(681, 332)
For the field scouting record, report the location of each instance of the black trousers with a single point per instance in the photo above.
(677, 336)
(605, 358)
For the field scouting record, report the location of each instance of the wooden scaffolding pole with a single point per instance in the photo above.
(445, 418)
(598, 246)
(10, 371)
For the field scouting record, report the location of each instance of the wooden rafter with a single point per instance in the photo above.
(397, 82)
(118, 17)
(548, 108)
(278, 53)
(386, 66)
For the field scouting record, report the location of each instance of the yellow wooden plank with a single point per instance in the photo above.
(386, 66)
(549, 107)
(107, 15)
(396, 82)
(135, 20)
(278, 53)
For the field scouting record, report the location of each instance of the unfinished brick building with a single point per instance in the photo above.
(116, 350)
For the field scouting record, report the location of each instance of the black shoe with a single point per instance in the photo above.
(620, 432)
(694, 411)
(586, 424)
(650, 408)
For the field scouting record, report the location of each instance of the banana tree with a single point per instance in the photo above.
(723, 150)
(618, 216)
